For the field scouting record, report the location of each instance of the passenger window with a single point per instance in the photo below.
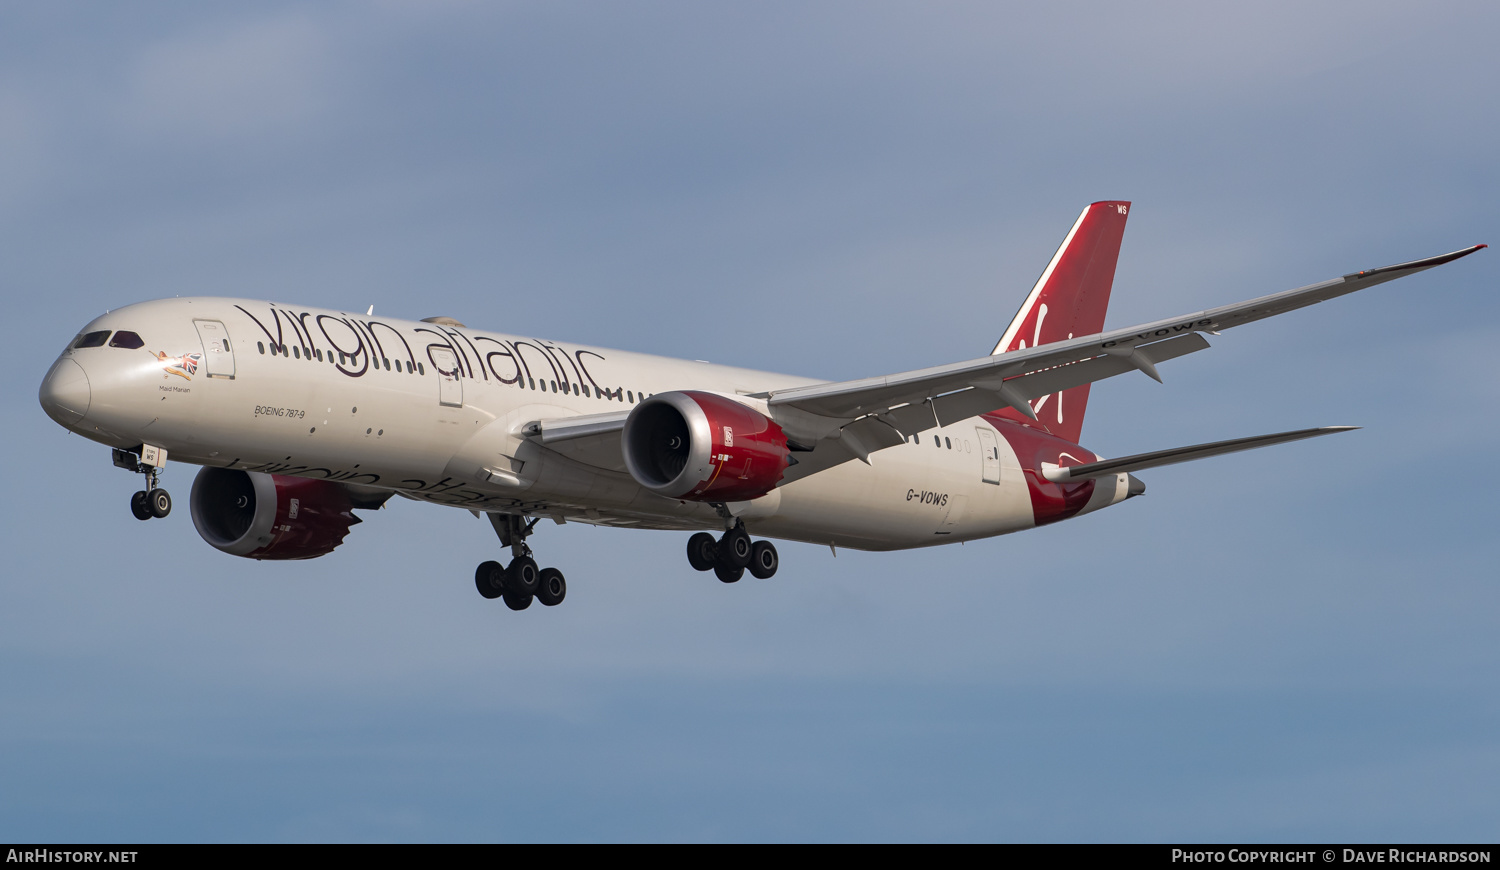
(127, 340)
(297, 352)
(387, 363)
(93, 339)
(262, 346)
(585, 388)
(949, 442)
(420, 370)
(916, 439)
(410, 369)
(319, 352)
(530, 384)
(554, 385)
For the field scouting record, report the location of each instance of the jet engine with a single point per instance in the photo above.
(269, 516)
(703, 447)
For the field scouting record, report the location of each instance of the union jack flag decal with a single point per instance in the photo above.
(190, 362)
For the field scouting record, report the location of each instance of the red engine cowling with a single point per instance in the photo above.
(703, 447)
(268, 516)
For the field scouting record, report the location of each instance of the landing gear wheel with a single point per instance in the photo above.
(763, 560)
(517, 600)
(522, 576)
(551, 587)
(703, 550)
(727, 574)
(734, 548)
(489, 579)
(159, 503)
(139, 506)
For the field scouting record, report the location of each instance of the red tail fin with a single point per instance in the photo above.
(1069, 300)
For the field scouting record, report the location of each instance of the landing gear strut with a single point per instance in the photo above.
(153, 501)
(522, 581)
(730, 555)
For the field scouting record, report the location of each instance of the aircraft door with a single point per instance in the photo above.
(450, 388)
(218, 355)
(990, 447)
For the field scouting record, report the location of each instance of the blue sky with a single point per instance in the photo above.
(1294, 644)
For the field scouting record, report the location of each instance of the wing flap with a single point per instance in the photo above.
(593, 439)
(551, 432)
(813, 413)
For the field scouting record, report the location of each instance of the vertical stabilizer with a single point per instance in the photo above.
(1069, 300)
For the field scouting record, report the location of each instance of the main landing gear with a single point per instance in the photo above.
(522, 581)
(151, 502)
(730, 555)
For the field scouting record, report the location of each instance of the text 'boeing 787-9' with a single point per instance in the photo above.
(301, 416)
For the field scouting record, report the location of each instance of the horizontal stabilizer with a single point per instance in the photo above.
(1140, 461)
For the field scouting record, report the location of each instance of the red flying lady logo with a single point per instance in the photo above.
(184, 366)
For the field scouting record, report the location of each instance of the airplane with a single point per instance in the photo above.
(300, 416)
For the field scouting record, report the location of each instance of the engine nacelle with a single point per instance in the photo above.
(703, 447)
(269, 516)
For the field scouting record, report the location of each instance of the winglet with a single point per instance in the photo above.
(1414, 265)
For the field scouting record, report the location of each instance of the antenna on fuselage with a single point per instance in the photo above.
(371, 312)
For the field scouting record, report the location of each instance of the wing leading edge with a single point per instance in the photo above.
(843, 421)
(856, 418)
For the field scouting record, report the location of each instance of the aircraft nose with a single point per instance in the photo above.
(65, 392)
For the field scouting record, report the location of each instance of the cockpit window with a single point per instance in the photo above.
(92, 339)
(127, 340)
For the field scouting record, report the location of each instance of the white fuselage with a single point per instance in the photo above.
(437, 412)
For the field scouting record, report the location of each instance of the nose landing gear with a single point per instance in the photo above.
(521, 582)
(733, 553)
(153, 501)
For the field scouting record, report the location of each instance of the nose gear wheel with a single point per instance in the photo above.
(153, 502)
